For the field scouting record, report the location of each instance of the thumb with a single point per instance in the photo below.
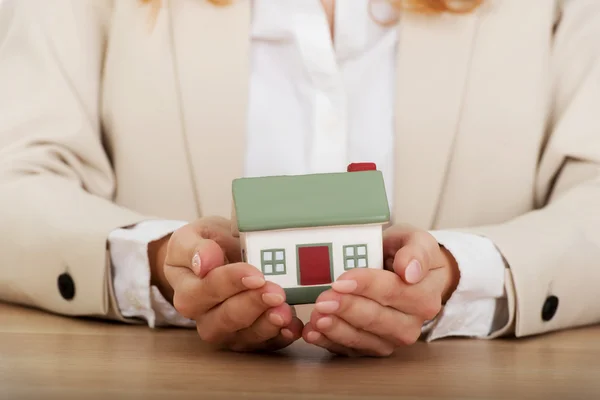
(411, 264)
(411, 253)
(420, 254)
(187, 249)
(207, 256)
(405, 249)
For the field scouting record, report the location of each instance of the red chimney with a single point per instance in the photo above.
(354, 167)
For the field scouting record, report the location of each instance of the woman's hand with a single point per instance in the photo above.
(232, 304)
(372, 312)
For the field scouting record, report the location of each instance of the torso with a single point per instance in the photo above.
(468, 117)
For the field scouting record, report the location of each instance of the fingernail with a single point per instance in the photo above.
(413, 272)
(196, 264)
(276, 319)
(324, 323)
(286, 333)
(272, 299)
(313, 336)
(345, 286)
(253, 282)
(327, 307)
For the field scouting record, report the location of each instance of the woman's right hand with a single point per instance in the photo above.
(232, 304)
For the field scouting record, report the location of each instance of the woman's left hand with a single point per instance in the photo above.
(372, 312)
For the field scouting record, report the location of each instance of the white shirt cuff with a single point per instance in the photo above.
(478, 306)
(136, 298)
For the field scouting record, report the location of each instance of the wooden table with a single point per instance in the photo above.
(50, 357)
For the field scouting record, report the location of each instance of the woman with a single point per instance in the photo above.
(123, 122)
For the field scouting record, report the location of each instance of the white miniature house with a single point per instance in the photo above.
(304, 231)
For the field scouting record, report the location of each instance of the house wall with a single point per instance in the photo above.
(243, 247)
(254, 242)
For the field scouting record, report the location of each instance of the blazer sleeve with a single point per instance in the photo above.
(56, 181)
(554, 252)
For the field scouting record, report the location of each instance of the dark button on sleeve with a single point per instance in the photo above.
(66, 286)
(549, 308)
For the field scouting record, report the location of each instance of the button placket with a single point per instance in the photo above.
(328, 152)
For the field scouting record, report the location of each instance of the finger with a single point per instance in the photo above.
(392, 325)
(188, 249)
(267, 326)
(194, 297)
(388, 289)
(419, 254)
(239, 312)
(395, 237)
(204, 255)
(341, 332)
(219, 231)
(287, 336)
(413, 261)
(293, 331)
(267, 333)
(222, 222)
(312, 336)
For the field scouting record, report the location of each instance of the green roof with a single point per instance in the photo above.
(299, 201)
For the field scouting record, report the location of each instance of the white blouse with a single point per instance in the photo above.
(316, 106)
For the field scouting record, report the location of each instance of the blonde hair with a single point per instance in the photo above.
(437, 6)
(420, 6)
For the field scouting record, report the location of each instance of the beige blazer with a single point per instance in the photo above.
(105, 122)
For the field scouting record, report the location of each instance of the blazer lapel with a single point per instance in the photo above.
(434, 55)
(211, 60)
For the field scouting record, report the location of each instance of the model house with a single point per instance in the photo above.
(304, 231)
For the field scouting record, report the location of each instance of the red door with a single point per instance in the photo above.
(315, 265)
